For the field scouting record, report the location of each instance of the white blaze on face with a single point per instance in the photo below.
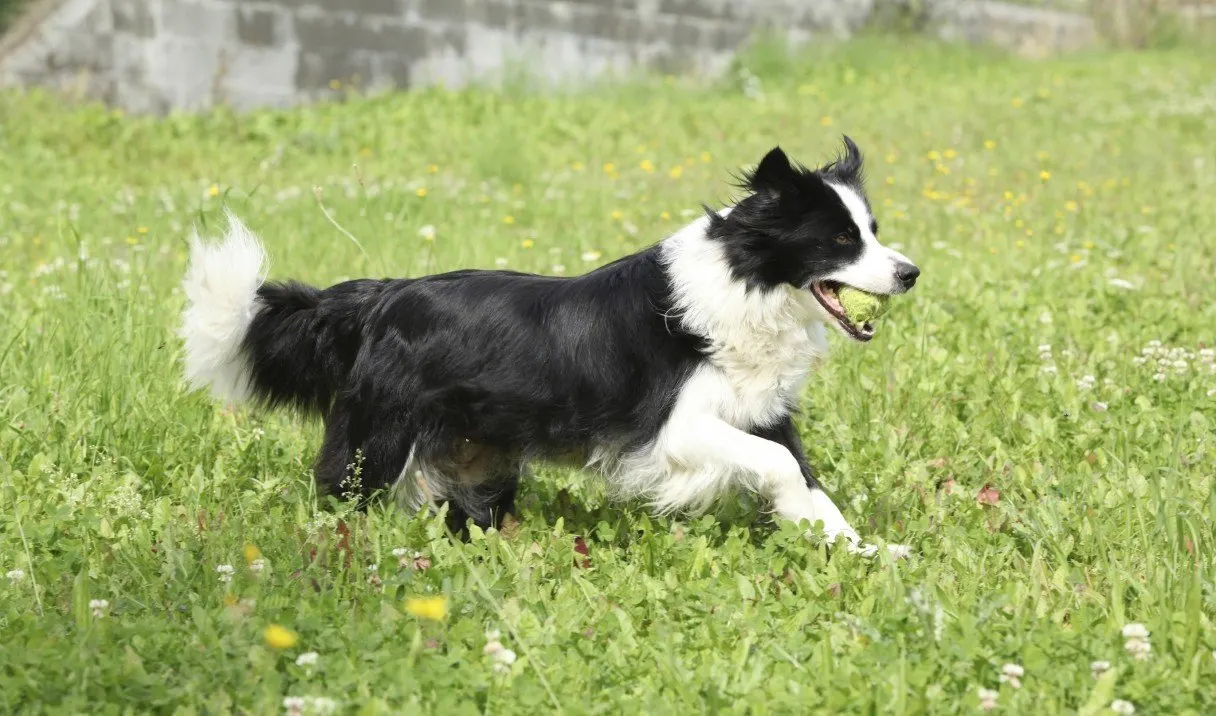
(874, 269)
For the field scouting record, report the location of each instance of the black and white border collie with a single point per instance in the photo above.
(673, 372)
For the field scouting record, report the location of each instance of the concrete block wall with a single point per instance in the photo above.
(157, 55)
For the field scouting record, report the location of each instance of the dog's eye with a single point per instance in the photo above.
(845, 238)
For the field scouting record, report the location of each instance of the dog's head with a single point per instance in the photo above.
(811, 229)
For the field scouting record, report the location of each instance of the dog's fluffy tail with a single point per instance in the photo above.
(250, 340)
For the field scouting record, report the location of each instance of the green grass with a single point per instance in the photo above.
(1066, 203)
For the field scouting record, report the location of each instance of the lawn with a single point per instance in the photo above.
(1035, 419)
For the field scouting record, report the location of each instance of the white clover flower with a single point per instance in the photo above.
(373, 568)
(1140, 649)
(590, 256)
(1154, 344)
(1122, 283)
(257, 565)
(558, 269)
(501, 262)
(99, 607)
(225, 571)
(308, 658)
(1159, 377)
(988, 698)
(1045, 348)
(294, 705)
(427, 232)
(323, 705)
(503, 658)
(1099, 407)
(400, 552)
(1139, 360)
(1212, 393)
(1100, 667)
(15, 575)
(1049, 369)
(1012, 674)
(1135, 631)
(1123, 708)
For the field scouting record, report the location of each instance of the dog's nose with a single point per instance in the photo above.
(907, 273)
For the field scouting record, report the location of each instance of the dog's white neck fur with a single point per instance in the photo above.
(762, 342)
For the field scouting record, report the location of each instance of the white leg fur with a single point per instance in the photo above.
(221, 287)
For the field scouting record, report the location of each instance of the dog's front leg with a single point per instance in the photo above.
(817, 505)
(770, 464)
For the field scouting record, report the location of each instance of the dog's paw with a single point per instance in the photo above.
(899, 551)
(867, 550)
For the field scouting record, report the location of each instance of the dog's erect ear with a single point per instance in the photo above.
(774, 173)
(848, 166)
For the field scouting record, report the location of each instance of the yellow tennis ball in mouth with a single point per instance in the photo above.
(860, 306)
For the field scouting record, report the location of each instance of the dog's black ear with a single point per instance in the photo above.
(774, 173)
(848, 166)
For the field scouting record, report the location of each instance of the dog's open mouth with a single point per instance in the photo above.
(825, 293)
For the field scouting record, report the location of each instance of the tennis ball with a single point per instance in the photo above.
(862, 307)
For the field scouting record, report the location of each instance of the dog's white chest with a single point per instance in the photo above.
(760, 378)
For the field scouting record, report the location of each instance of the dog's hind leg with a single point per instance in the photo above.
(362, 453)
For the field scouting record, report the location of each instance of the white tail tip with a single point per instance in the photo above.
(221, 287)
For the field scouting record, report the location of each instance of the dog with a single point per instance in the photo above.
(675, 372)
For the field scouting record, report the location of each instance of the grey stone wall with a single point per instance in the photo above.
(156, 55)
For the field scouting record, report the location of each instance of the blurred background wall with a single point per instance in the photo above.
(160, 55)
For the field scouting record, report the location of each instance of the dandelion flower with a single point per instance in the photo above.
(213, 190)
(676, 172)
(527, 243)
(308, 658)
(433, 608)
(508, 219)
(1123, 708)
(421, 192)
(989, 144)
(279, 637)
(1045, 175)
(252, 553)
(15, 575)
(225, 571)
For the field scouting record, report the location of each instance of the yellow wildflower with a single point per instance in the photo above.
(647, 166)
(421, 191)
(508, 219)
(676, 172)
(989, 144)
(1045, 175)
(527, 243)
(214, 190)
(433, 608)
(252, 553)
(280, 637)
(826, 121)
